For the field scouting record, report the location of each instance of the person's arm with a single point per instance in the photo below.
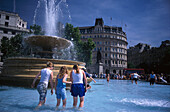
(85, 80)
(71, 79)
(51, 82)
(64, 79)
(88, 75)
(93, 79)
(55, 84)
(33, 83)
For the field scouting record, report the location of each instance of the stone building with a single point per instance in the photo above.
(111, 42)
(11, 24)
(142, 55)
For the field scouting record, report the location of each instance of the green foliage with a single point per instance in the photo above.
(165, 62)
(36, 30)
(5, 47)
(83, 49)
(130, 65)
(11, 47)
(68, 31)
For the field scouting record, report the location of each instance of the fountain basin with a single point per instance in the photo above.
(20, 71)
(48, 42)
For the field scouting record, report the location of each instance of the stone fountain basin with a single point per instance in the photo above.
(48, 42)
(21, 71)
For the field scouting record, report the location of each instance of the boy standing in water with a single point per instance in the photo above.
(45, 74)
(88, 75)
(60, 86)
(152, 78)
(135, 77)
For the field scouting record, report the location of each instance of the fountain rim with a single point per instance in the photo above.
(47, 59)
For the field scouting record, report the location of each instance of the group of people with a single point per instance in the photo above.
(135, 76)
(78, 83)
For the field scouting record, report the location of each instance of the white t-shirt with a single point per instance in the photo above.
(45, 75)
(135, 75)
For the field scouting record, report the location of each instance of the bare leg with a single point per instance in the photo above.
(58, 102)
(136, 82)
(81, 101)
(74, 101)
(64, 103)
(132, 81)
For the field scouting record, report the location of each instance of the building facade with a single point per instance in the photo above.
(11, 24)
(142, 55)
(111, 42)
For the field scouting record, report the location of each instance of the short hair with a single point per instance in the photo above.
(49, 64)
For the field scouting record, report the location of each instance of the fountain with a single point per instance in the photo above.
(20, 71)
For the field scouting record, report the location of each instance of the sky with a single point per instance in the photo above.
(146, 21)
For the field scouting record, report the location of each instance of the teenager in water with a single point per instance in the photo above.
(60, 86)
(45, 74)
(77, 88)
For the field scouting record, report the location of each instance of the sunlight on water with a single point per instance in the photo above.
(115, 96)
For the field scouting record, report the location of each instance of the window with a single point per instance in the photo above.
(94, 49)
(105, 55)
(109, 49)
(113, 49)
(97, 42)
(7, 17)
(115, 62)
(100, 42)
(6, 24)
(109, 62)
(0, 15)
(13, 33)
(6, 32)
(19, 23)
(105, 48)
(105, 61)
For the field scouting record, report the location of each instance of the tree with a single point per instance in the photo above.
(5, 47)
(68, 31)
(16, 45)
(83, 49)
(130, 65)
(165, 62)
(36, 30)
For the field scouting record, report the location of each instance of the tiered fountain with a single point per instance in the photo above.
(20, 71)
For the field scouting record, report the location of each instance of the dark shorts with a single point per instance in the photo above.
(152, 80)
(77, 90)
(42, 90)
(135, 79)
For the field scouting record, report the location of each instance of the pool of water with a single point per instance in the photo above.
(115, 96)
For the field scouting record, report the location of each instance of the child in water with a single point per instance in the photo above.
(60, 86)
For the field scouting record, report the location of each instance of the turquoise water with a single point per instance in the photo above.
(115, 96)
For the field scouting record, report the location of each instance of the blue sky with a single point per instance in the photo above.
(148, 21)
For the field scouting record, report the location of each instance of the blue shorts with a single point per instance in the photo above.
(61, 93)
(42, 90)
(77, 90)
